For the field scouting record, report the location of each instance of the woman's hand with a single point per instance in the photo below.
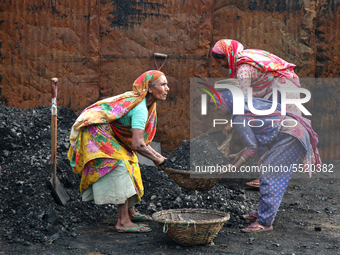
(227, 129)
(158, 161)
(147, 151)
(159, 157)
(234, 158)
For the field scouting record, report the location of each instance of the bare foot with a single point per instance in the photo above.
(254, 183)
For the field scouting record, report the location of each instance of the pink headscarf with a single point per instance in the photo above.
(260, 59)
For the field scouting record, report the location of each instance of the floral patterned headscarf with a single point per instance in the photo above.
(260, 59)
(258, 103)
(113, 108)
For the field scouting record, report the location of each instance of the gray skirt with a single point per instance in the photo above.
(113, 188)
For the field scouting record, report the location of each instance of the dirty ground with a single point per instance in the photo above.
(308, 220)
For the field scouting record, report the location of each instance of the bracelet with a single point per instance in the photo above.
(243, 159)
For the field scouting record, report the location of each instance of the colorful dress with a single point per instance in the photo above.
(260, 70)
(99, 143)
(284, 147)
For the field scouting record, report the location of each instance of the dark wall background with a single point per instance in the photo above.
(98, 48)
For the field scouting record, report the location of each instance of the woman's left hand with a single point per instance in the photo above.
(234, 158)
(227, 129)
(159, 161)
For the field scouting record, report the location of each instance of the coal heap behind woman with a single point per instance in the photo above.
(104, 139)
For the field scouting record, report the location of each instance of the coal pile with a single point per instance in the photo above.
(28, 212)
(195, 153)
(161, 193)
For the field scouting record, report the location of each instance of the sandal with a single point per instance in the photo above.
(255, 183)
(138, 229)
(141, 217)
(256, 228)
(251, 217)
(136, 216)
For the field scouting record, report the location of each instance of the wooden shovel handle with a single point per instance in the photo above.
(54, 113)
(159, 55)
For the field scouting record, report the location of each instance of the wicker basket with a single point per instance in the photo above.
(191, 180)
(202, 181)
(191, 227)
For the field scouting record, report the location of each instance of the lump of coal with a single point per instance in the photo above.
(195, 153)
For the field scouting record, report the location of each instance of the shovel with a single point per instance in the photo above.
(159, 55)
(58, 191)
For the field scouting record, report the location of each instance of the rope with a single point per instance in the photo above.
(165, 226)
(180, 225)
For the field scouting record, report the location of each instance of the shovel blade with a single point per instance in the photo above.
(58, 191)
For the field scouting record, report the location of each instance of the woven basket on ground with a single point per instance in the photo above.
(191, 227)
(191, 180)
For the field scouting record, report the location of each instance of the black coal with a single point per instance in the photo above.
(195, 153)
(28, 212)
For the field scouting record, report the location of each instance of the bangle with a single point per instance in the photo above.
(243, 159)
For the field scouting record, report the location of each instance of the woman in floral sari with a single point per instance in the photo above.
(104, 140)
(259, 70)
(283, 146)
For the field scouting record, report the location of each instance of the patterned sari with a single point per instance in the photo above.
(283, 148)
(272, 66)
(266, 134)
(99, 143)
